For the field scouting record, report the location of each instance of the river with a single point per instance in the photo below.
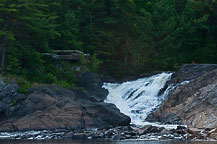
(100, 142)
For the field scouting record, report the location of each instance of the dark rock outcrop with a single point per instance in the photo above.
(52, 107)
(194, 103)
(93, 84)
(8, 98)
(191, 71)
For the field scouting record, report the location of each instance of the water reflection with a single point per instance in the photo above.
(98, 142)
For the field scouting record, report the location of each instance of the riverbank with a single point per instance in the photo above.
(81, 114)
(102, 142)
(131, 132)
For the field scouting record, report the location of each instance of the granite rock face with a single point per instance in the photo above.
(52, 107)
(194, 103)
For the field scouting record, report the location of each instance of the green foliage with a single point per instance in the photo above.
(94, 63)
(176, 66)
(24, 86)
(123, 37)
(64, 84)
(13, 63)
(82, 60)
(202, 78)
(14, 102)
(50, 78)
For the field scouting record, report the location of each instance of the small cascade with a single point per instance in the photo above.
(140, 97)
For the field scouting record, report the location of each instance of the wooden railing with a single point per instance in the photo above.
(67, 55)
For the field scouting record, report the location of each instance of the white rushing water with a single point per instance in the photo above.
(140, 97)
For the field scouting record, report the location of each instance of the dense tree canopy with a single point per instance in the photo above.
(123, 37)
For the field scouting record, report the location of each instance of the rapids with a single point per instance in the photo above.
(140, 97)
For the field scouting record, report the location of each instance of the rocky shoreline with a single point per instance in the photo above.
(52, 112)
(131, 132)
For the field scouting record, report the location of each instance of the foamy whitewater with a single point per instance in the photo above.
(140, 97)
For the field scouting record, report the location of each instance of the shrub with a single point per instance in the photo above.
(94, 63)
(63, 84)
(50, 78)
(23, 86)
(202, 78)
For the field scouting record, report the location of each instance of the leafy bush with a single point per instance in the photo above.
(94, 63)
(23, 86)
(50, 78)
(65, 84)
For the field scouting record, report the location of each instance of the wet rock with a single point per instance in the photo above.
(137, 130)
(161, 129)
(80, 136)
(117, 137)
(207, 129)
(130, 133)
(181, 128)
(193, 104)
(115, 133)
(195, 133)
(166, 131)
(68, 136)
(176, 135)
(127, 136)
(151, 129)
(109, 133)
(104, 127)
(213, 134)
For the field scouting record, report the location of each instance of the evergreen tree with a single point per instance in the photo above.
(123, 37)
(67, 27)
(27, 28)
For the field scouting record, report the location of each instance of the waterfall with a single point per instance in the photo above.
(140, 97)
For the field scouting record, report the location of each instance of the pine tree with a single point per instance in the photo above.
(67, 27)
(27, 27)
(7, 11)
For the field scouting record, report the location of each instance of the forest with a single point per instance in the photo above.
(123, 37)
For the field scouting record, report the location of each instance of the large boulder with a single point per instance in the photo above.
(52, 107)
(194, 103)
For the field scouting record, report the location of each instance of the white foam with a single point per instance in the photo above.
(138, 98)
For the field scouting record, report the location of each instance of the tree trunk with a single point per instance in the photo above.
(3, 49)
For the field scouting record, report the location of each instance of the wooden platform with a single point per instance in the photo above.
(67, 55)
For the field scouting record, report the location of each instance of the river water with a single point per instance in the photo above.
(100, 142)
(138, 98)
